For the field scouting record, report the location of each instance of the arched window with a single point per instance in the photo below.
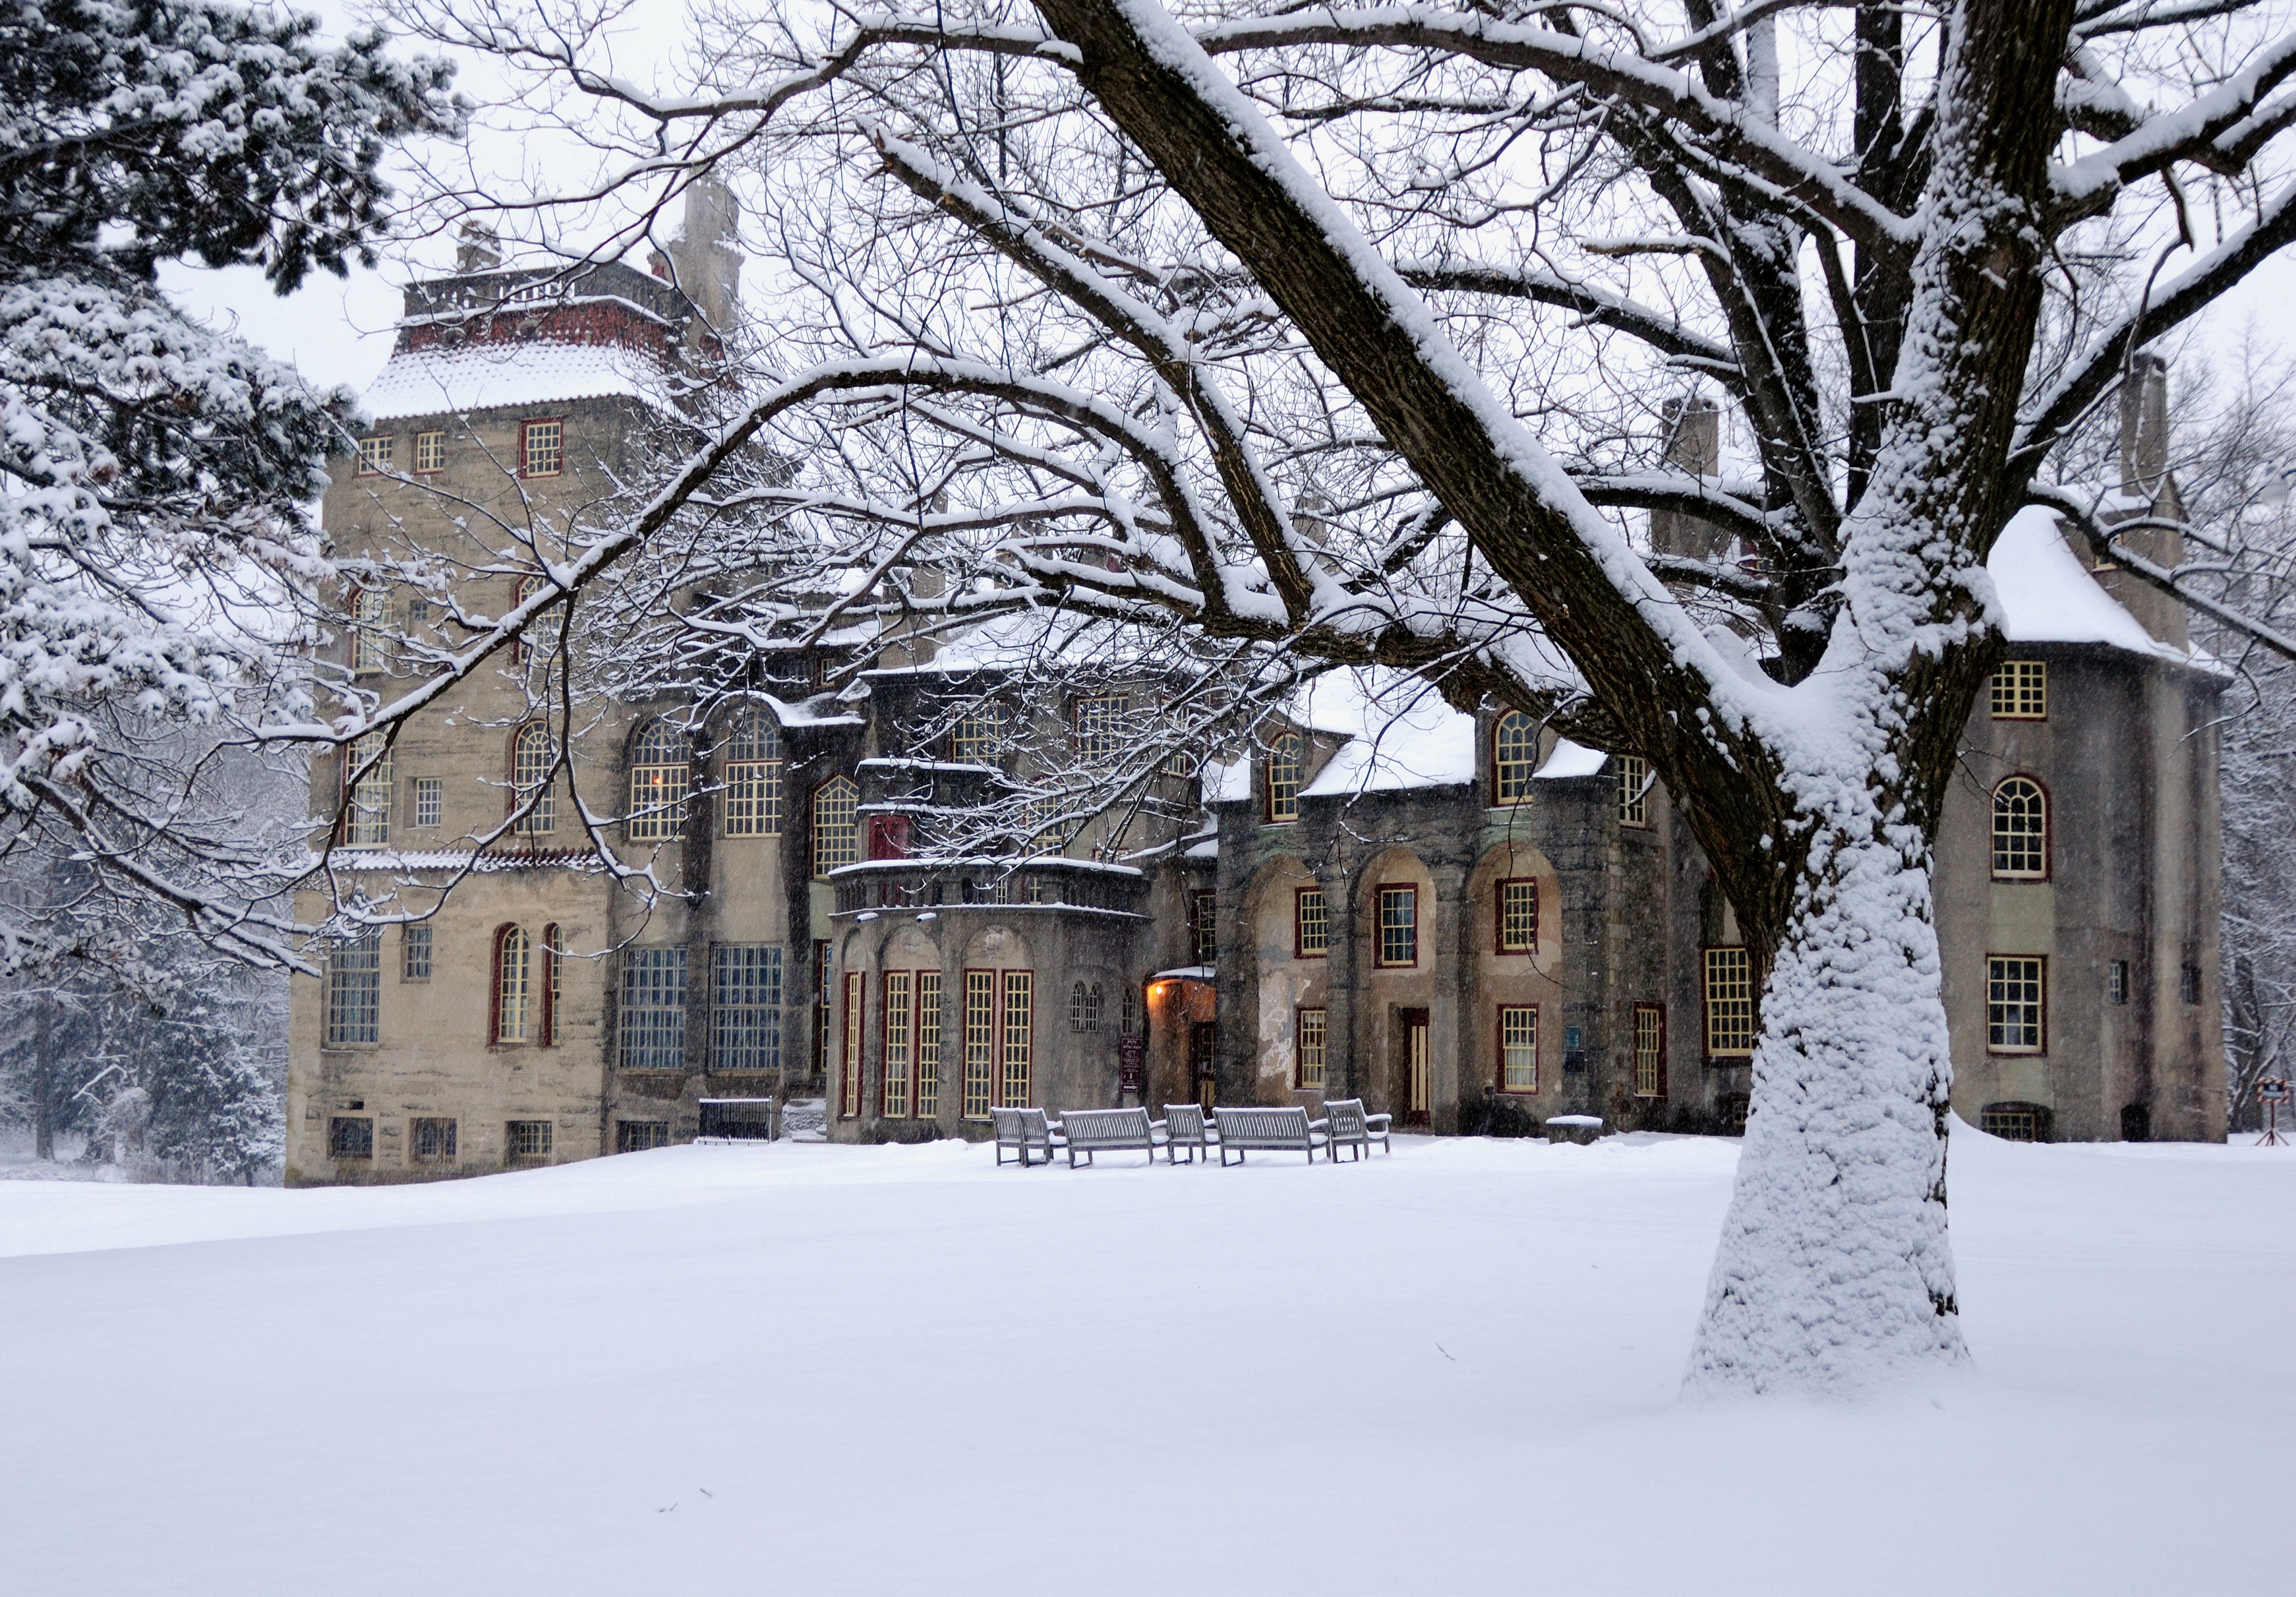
(1284, 766)
(1084, 1007)
(2021, 830)
(513, 985)
(539, 641)
(366, 769)
(660, 765)
(836, 839)
(753, 777)
(1515, 757)
(370, 629)
(533, 756)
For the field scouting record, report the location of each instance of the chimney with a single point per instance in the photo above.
(1694, 444)
(706, 256)
(478, 249)
(2144, 426)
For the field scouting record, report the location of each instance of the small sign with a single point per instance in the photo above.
(2275, 1090)
(1131, 1063)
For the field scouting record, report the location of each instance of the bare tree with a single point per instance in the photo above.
(1334, 336)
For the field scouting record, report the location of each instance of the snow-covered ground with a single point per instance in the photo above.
(813, 1370)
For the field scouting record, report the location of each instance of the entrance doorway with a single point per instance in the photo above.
(1203, 1055)
(1417, 1051)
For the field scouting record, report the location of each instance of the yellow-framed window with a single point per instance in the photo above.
(2020, 690)
(1729, 1003)
(1518, 1048)
(1313, 1033)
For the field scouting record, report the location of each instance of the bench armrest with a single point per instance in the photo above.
(1377, 1119)
(1319, 1125)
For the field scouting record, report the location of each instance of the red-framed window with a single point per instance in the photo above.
(1518, 1056)
(1311, 1028)
(1395, 945)
(1311, 924)
(1514, 902)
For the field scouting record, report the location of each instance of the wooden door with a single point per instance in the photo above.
(1418, 1040)
(1203, 1051)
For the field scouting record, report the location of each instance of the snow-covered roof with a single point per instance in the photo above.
(499, 376)
(1399, 734)
(2047, 594)
(347, 859)
(1570, 760)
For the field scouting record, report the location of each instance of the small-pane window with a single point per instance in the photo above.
(430, 801)
(1633, 790)
(1018, 1039)
(1100, 726)
(350, 1137)
(1311, 924)
(1729, 1003)
(2018, 1123)
(1515, 757)
(533, 758)
(978, 738)
(355, 990)
(661, 764)
(1650, 1051)
(1084, 1007)
(980, 1040)
(1312, 1034)
(542, 449)
(2021, 830)
(2014, 1018)
(636, 1136)
(753, 777)
(541, 638)
(928, 1044)
(899, 1036)
(414, 953)
(2021, 691)
(1519, 915)
(2116, 982)
(375, 455)
(430, 451)
(366, 819)
(1518, 1048)
(745, 982)
(1399, 925)
(370, 631)
(431, 1141)
(527, 1140)
(1203, 924)
(849, 1074)
(513, 985)
(1284, 770)
(836, 826)
(654, 1009)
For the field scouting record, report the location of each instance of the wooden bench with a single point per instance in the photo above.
(1266, 1129)
(1088, 1132)
(1185, 1126)
(1348, 1126)
(1025, 1132)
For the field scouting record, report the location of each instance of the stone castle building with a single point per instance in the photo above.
(1461, 918)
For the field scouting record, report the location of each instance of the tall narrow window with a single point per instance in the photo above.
(848, 1063)
(429, 452)
(745, 981)
(1519, 1048)
(2021, 830)
(654, 1009)
(753, 777)
(898, 1033)
(513, 985)
(836, 830)
(928, 1045)
(980, 1040)
(2013, 1000)
(1311, 924)
(1100, 726)
(366, 818)
(1019, 1037)
(540, 639)
(370, 631)
(541, 447)
(821, 990)
(355, 990)
(430, 801)
(2021, 691)
(1284, 768)
(1515, 757)
(978, 738)
(374, 454)
(1399, 927)
(1517, 911)
(1729, 1004)
(1634, 789)
(660, 762)
(534, 756)
(552, 986)
(1650, 1050)
(1204, 926)
(2188, 983)
(2116, 982)
(1309, 1076)
(414, 953)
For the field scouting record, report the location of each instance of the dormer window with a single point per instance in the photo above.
(1286, 766)
(1514, 758)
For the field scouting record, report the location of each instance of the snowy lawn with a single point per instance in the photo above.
(808, 1369)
